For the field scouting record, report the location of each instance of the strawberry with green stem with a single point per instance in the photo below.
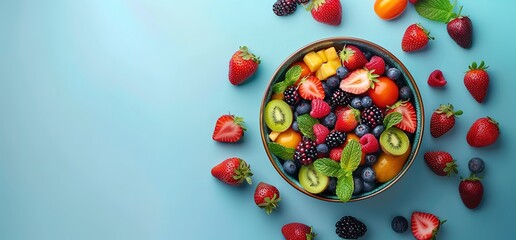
(229, 128)
(471, 191)
(415, 38)
(297, 231)
(266, 196)
(483, 132)
(326, 11)
(232, 171)
(441, 163)
(242, 65)
(476, 81)
(443, 120)
(460, 30)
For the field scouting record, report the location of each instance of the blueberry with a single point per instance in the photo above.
(399, 224)
(359, 185)
(393, 73)
(405, 93)
(378, 130)
(329, 120)
(333, 82)
(367, 102)
(296, 114)
(476, 165)
(369, 186)
(368, 175)
(387, 67)
(361, 130)
(356, 102)
(370, 159)
(332, 185)
(368, 55)
(295, 126)
(327, 90)
(303, 108)
(342, 72)
(323, 149)
(290, 168)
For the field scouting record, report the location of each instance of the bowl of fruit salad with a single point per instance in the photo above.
(342, 119)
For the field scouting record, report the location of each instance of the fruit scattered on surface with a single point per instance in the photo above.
(242, 65)
(284, 7)
(425, 225)
(326, 11)
(443, 120)
(471, 191)
(229, 128)
(232, 171)
(476, 165)
(460, 30)
(436, 79)
(476, 81)
(415, 38)
(349, 227)
(389, 9)
(266, 196)
(399, 224)
(441, 163)
(297, 231)
(483, 132)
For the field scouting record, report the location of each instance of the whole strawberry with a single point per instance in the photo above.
(441, 163)
(297, 231)
(242, 65)
(326, 11)
(471, 191)
(229, 128)
(460, 30)
(443, 120)
(483, 132)
(476, 81)
(267, 197)
(232, 171)
(415, 38)
(352, 58)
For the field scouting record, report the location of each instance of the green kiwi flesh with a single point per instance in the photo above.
(312, 180)
(394, 141)
(278, 115)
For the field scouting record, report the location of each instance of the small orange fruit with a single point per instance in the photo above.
(289, 138)
(388, 166)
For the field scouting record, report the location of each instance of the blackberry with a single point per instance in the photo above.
(306, 152)
(284, 7)
(349, 227)
(372, 117)
(340, 98)
(291, 96)
(335, 138)
(302, 1)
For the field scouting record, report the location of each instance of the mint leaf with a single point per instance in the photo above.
(345, 187)
(291, 76)
(281, 151)
(436, 10)
(328, 167)
(392, 119)
(351, 156)
(306, 123)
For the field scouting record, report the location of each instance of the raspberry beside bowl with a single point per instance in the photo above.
(339, 43)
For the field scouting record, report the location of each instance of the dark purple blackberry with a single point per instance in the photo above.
(349, 227)
(372, 116)
(335, 138)
(284, 7)
(302, 1)
(340, 98)
(291, 96)
(306, 152)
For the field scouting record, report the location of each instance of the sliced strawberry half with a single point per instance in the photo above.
(358, 82)
(425, 225)
(311, 88)
(228, 128)
(409, 121)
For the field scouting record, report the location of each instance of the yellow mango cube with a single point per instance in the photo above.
(274, 135)
(331, 54)
(325, 71)
(313, 61)
(322, 55)
(335, 63)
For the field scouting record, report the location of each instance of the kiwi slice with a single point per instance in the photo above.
(312, 180)
(278, 115)
(394, 141)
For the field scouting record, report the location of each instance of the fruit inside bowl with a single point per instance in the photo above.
(342, 119)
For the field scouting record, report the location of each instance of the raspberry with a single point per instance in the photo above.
(377, 64)
(369, 143)
(336, 154)
(320, 132)
(320, 108)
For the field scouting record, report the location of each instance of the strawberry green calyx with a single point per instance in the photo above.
(243, 172)
(246, 55)
(491, 120)
(239, 121)
(315, 4)
(436, 230)
(472, 177)
(451, 168)
(481, 66)
(372, 77)
(346, 53)
(448, 110)
(427, 33)
(270, 204)
(311, 235)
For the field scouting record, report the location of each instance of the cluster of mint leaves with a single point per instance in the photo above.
(291, 76)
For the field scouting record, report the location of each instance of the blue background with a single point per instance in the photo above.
(107, 110)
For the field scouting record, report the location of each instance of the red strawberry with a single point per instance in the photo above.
(320, 132)
(415, 38)
(352, 58)
(476, 81)
(460, 30)
(336, 154)
(232, 171)
(443, 120)
(436, 79)
(425, 225)
(358, 81)
(297, 231)
(376, 65)
(369, 143)
(347, 119)
(483, 132)
(441, 163)
(311, 88)
(242, 65)
(228, 128)
(471, 191)
(326, 11)
(320, 108)
(267, 197)
(409, 120)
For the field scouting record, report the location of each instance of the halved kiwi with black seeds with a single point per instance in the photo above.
(278, 115)
(312, 180)
(394, 141)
